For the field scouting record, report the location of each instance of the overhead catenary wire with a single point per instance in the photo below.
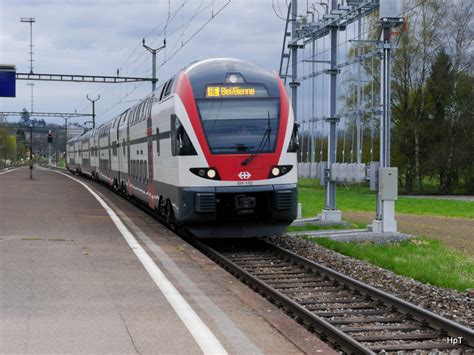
(123, 93)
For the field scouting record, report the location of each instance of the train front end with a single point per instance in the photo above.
(240, 179)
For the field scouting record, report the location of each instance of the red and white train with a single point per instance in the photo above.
(213, 149)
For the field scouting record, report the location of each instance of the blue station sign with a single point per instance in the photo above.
(7, 80)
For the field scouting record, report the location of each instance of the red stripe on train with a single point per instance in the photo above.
(229, 165)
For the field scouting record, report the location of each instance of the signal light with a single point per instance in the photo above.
(50, 136)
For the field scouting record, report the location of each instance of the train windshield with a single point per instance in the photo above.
(239, 125)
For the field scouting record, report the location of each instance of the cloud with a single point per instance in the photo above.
(97, 37)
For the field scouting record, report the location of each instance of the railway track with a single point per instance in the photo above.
(354, 317)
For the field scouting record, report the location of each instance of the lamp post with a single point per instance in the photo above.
(65, 139)
(31, 151)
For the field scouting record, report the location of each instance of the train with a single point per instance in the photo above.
(213, 150)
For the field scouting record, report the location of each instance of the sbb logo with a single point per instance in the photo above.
(244, 175)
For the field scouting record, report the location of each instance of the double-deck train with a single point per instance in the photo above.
(213, 150)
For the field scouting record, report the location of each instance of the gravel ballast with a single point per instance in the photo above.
(451, 304)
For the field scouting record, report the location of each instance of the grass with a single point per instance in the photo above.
(315, 227)
(422, 258)
(360, 198)
(47, 239)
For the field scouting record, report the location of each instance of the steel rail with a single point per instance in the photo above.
(326, 330)
(418, 313)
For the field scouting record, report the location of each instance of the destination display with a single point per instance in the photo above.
(226, 91)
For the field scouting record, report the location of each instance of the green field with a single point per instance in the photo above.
(423, 259)
(360, 198)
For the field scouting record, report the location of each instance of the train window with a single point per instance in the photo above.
(180, 142)
(157, 141)
(123, 147)
(294, 143)
(143, 111)
(169, 87)
(163, 90)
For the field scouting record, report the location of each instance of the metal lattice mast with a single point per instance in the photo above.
(294, 59)
(330, 204)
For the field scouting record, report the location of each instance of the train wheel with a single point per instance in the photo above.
(115, 185)
(169, 215)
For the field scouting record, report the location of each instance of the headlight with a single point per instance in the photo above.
(279, 170)
(206, 173)
(211, 173)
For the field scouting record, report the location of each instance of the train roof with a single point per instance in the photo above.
(218, 70)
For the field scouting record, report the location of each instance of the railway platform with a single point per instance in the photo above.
(84, 271)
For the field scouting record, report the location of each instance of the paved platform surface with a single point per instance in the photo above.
(70, 283)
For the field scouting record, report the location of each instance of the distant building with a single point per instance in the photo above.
(73, 132)
(2, 118)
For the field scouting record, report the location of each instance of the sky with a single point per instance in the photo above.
(97, 37)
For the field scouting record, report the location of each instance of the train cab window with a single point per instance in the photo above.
(157, 141)
(294, 143)
(180, 142)
(242, 126)
(169, 87)
(162, 95)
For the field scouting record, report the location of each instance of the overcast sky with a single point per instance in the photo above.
(100, 36)
(97, 37)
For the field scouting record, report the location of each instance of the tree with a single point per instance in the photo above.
(411, 67)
